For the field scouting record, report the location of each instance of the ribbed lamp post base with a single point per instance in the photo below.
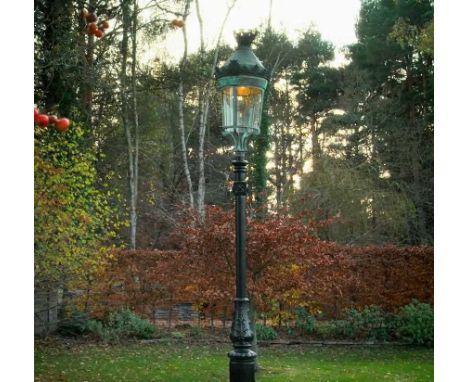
(242, 357)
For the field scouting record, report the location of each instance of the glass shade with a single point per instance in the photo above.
(242, 107)
(228, 107)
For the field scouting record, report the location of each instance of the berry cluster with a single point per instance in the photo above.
(43, 120)
(93, 26)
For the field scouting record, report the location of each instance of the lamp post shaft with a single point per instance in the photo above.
(240, 191)
(242, 358)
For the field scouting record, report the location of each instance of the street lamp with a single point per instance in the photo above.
(242, 81)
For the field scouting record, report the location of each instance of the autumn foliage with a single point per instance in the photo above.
(287, 267)
(75, 222)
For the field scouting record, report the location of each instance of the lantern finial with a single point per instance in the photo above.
(245, 38)
(243, 60)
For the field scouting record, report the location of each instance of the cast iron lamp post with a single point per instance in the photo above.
(242, 81)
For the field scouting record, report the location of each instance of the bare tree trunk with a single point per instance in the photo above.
(181, 97)
(201, 160)
(204, 107)
(315, 143)
(269, 15)
(301, 152)
(291, 163)
(204, 110)
(125, 4)
(200, 22)
(284, 178)
(278, 182)
(134, 195)
(129, 26)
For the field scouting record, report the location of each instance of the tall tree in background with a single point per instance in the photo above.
(276, 53)
(72, 68)
(129, 106)
(205, 93)
(125, 104)
(298, 75)
(283, 137)
(394, 50)
(181, 95)
(316, 84)
(372, 169)
(56, 56)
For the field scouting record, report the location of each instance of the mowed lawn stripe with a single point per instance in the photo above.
(176, 362)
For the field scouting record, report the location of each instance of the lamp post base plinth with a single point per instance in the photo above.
(242, 365)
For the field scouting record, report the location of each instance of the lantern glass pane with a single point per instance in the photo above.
(249, 106)
(228, 106)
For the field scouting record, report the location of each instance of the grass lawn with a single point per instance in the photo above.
(177, 362)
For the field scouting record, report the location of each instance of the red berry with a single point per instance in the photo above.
(105, 24)
(36, 114)
(99, 33)
(62, 124)
(42, 120)
(53, 119)
(92, 28)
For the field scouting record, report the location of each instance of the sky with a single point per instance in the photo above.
(334, 19)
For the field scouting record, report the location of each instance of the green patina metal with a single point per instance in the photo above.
(241, 71)
(242, 80)
(243, 62)
(240, 136)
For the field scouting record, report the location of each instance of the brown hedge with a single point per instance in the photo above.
(288, 266)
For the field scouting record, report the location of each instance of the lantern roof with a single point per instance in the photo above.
(243, 62)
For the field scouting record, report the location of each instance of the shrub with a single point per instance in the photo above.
(265, 333)
(371, 323)
(327, 330)
(305, 322)
(413, 324)
(102, 332)
(122, 325)
(416, 323)
(128, 325)
(289, 331)
(74, 325)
